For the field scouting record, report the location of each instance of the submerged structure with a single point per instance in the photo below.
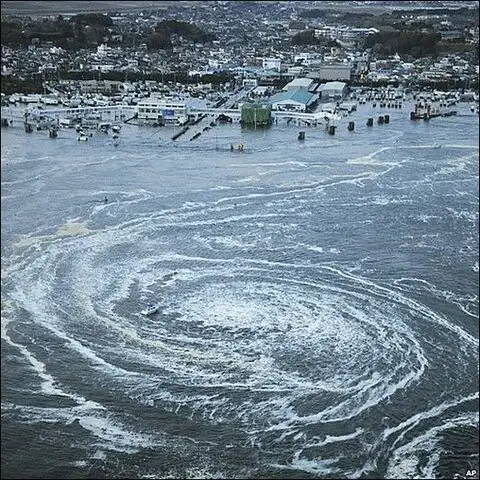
(256, 115)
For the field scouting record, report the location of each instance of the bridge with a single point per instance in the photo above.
(316, 117)
(51, 112)
(53, 115)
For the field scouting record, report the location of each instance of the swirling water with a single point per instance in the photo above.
(318, 302)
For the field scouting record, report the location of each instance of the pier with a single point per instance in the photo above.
(125, 113)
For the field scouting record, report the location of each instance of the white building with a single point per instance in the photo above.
(271, 64)
(103, 50)
(306, 58)
(326, 31)
(343, 32)
(329, 90)
(302, 83)
(163, 111)
(215, 63)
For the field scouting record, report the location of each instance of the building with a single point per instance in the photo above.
(329, 90)
(249, 82)
(271, 64)
(162, 111)
(344, 33)
(338, 71)
(100, 86)
(306, 59)
(302, 83)
(256, 114)
(296, 71)
(293, 100)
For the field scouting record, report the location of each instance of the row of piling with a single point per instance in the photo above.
(382, 119)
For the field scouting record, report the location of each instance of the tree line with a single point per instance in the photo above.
(161, 38)
(34, 84)
(416, 44)
(86, 30)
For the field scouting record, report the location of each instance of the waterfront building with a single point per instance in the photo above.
(329, 90)
(294, 100)
(162, 111)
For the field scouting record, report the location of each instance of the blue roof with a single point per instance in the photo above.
(297, 95)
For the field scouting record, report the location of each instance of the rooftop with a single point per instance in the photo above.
(299, 96)
(299, 83)
(332, 86)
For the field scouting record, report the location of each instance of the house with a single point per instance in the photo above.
(298, 100)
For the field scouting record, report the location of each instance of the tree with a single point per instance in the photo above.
(12, 34)
(185, 29)
(158, 40)
(307, 37)
(92, 19)
(414, 43)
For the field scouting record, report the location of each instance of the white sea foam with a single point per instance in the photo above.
(240, 340)
(405, 460)
(316, 467)
(109, 433)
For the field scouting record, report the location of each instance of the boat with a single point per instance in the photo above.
(150, 309)
(424, 111)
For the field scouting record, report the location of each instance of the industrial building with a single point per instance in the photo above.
(294, 100)
(332, 90)
(306, 84)
(339, 71)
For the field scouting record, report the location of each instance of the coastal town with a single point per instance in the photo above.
(173, 63)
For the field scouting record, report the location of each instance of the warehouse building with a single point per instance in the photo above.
(340, 71)
(332, 90)
(294, 100)
(304, 83)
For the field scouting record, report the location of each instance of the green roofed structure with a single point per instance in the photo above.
(256, 114)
